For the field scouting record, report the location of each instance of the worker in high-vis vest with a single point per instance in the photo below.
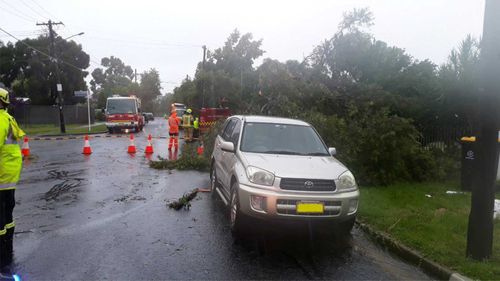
(11, 163)
(173, 130)
(187, 124)
(196, 126)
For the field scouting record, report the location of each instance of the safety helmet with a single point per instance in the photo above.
(4, 96)
(189, 110)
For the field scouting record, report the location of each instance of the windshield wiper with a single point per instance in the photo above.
(283, 152)
(317, 154)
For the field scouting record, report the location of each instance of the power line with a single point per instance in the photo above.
(16, 14)
(29, 7)
(43, 9)
(41, 52)
(157, 43)
(18, 11)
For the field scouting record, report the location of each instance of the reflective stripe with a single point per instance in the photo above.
(10, 225)
(7, 186)
(3, 232)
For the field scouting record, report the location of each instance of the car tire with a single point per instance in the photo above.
(345, 227)
(236, 218)
(213, 179)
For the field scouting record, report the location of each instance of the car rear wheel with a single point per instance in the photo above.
(236, 218)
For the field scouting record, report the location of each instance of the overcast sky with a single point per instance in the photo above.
(168, 35)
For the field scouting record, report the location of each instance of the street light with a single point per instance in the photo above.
(78, 34)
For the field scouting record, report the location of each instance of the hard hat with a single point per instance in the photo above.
(4, 96)
(189, 110)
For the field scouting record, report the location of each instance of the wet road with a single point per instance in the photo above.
(104, 217)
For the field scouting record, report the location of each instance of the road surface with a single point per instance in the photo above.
(104, 217)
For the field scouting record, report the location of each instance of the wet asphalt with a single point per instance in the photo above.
(105, 217)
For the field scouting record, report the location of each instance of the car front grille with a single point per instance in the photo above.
(289, 207)
(307, 184)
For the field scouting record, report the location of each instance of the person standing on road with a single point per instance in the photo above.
(196, 127)
(187, 123)
(173, 130)
(11, 163)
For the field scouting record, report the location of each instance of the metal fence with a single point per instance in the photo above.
(27, 114)
(442, 137)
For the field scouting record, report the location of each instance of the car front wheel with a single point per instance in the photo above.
(345, 227)
(213, 179)
(235, 216)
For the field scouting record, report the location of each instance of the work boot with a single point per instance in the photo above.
(9, 250)
(3, 250)
(6, 277)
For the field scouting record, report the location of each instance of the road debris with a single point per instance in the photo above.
(184, 201)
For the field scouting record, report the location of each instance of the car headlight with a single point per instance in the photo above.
(347, 181)
(260, 176)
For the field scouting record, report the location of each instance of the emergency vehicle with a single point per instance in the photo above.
(180, 108)
(124, 113)
(210, 116)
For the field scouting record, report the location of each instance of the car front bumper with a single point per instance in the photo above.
(282, 205)
(122, 124)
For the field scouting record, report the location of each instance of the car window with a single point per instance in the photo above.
(235, 134)
(282, 139)
(223, 127)
(226, 135)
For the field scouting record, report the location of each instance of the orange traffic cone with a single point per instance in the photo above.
(131, 147)
(25, 149)
(200, 149)
(86, 146)
(149, 147)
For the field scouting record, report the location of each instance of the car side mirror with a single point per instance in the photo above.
(227, 146)
(332, 151)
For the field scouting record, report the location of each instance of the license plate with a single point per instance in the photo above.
(310, 208)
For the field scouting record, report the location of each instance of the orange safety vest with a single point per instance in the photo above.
(173, 123)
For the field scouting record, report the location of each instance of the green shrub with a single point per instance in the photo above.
(380, 148)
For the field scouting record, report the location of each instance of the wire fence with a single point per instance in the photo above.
(442, 137)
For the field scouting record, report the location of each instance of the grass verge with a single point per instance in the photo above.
(436, 226)
(49, 129)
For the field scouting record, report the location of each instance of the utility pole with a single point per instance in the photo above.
(203, 77)
(480, 229)
(53, 54)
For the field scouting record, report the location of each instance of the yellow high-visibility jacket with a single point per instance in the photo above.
(11, 160)
(187, 120)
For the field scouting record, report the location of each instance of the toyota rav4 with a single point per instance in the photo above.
(272, 168)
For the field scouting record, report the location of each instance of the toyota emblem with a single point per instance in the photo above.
(309, 184)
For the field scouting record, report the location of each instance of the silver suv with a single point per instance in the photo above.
(272, 168)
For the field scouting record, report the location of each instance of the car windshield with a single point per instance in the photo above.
(121, 106)
(282, 139)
